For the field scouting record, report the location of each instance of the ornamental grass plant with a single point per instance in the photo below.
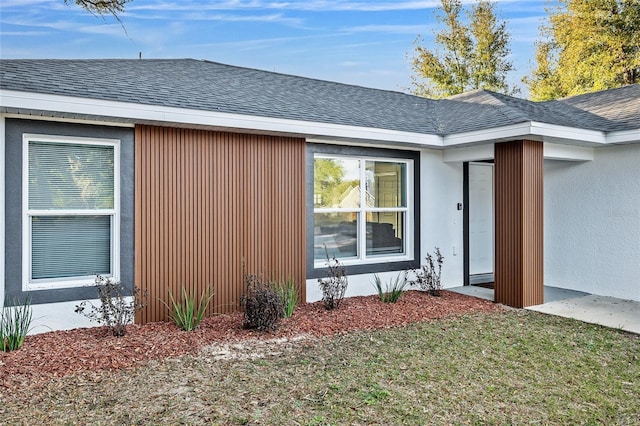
(188, 312)
(15, 322)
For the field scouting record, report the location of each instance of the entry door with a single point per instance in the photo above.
(481, 233)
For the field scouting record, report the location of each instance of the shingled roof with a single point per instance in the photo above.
(211, 86)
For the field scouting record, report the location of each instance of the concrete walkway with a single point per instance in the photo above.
(606, 311)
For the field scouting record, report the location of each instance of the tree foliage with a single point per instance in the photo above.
(468, 56)
(587, 45)
(101, 7)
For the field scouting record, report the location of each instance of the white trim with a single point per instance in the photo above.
(126, 114)
(552, 151)
(27, 283)
(470, 153)
(624, 136)
(528, 130)
(492, 134)
(2, 207)
(93, 122)
(152, 114)
(554, 132)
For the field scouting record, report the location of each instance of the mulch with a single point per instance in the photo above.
(60, 353)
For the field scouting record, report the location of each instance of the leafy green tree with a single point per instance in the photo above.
(469, 56)
(587, 45)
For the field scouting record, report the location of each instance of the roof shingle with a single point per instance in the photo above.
(211, 86)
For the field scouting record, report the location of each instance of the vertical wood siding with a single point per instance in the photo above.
(519, 168)
(207, 201)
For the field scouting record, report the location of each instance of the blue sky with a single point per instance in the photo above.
(349, 41)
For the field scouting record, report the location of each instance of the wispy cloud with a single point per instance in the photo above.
(7, 4)
(390, 29)
(310, 5)
(349, 64)
(276, 18)
(23, 33)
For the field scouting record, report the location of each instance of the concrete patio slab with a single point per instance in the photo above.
(602, 310)
(606, 311)
(475, 291)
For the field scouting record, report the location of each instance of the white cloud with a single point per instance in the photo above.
(391, 29)
(23, 33)
(310, 5)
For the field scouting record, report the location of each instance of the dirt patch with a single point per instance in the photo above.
(60, 353)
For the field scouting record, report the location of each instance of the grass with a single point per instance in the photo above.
(513, 367)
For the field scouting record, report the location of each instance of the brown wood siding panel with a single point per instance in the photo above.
(519, 168)
(207, 201)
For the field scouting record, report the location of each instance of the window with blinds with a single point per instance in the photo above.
(71, 210)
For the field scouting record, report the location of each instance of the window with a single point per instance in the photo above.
(362, 209)
(71, 205)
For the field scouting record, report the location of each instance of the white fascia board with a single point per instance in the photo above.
(469, 153)
(140, 113)
(555, 132)
(624, 136)
(513, 131)
(554, 151)
(528, 130)
(92, 121)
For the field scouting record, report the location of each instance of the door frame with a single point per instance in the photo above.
(468, 279)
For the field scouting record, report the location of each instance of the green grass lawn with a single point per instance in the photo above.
(512, 367)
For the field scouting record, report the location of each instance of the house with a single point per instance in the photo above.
(171, 173)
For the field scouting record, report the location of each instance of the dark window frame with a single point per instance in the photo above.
(361, 152)
(14, 130)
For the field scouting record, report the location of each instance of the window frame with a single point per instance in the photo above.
(29, 284)
(409, 211)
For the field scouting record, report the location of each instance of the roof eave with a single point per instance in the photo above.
(531, 130)
(123, 113)
(96, 111)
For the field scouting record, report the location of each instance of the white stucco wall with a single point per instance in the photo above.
(359, 285)
(441, 222)
(59, 316)
(592, 223)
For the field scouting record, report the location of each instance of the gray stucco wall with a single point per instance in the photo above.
(14, 129)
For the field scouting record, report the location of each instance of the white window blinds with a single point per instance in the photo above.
(71, 210)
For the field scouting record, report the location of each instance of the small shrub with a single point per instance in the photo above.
(428, 276)
(335, 285)
(289, 292)
(393, 290)
(14, 324)
(262, 303)
(114, 311)
(187, 313)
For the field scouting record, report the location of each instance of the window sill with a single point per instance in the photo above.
(368, 261)
(60, 284)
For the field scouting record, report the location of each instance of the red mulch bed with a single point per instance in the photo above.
(59, 353)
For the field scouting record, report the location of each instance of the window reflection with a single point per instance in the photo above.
(338, 232)
(385, 184)
(336, 183)
(384, 233)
